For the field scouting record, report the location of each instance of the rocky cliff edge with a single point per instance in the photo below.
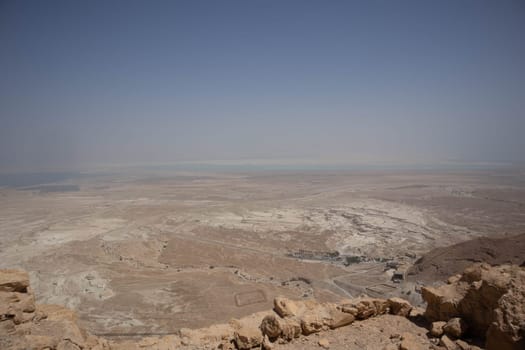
(483, 307)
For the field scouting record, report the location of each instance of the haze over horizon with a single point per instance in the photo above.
(107, 82)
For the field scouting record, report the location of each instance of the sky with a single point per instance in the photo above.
(149, 82)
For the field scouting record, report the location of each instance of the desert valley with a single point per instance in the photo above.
(154, 252)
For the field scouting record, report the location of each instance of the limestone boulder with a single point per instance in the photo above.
(442, 303)
(23, 325)
(14, 281)
(271, 327)
(399, 307)
(436, 330)
(487, 286)
(247, 337)
(455, 327)
(507, 329)
(313, 321)
(247, 330)
(286, 307)
(336, 317)
(275, 327)
(487, 301)
(364, 308)
(17, 303)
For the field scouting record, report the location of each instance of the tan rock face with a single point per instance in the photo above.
(271, 326)
(487, 286)
(14, 281)
(455, 327)
(507, 331)
(365, 307)
(26, 326)
(485, 300)
(291, 328)
(489, 300)
(55, 327)
(436, 330)
(19, 307)
(399, 307)
(247, 330)
(275, 327)
(311, 322)
(248, 337)
(17, 304)
(285, 307)
(337, 318)
(442, 303)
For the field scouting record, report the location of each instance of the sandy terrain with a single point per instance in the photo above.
(150, 253)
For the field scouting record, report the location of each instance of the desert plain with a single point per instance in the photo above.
(150, 252)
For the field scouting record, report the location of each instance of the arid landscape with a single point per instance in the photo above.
(271, 175)
(150, 253)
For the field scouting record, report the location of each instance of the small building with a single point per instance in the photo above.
(400, 274)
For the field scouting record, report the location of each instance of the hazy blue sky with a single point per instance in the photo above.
(84, 82)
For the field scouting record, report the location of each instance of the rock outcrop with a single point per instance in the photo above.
(484, 301)
(24, 325)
